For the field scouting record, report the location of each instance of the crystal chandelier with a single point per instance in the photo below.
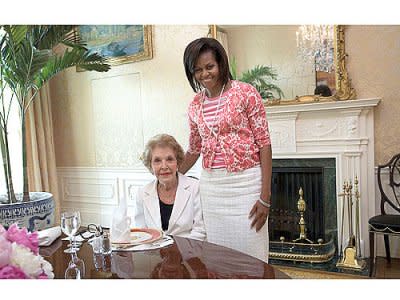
(315, 44)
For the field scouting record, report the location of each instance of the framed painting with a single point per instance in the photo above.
(120, 44)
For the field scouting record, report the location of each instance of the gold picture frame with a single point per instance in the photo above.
(344, 89)
(120, 44)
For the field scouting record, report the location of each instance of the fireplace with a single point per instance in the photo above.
(335, 142)
(317, 179)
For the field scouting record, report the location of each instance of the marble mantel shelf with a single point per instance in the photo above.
(321, 106)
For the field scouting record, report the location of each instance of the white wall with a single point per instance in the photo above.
(104, 119)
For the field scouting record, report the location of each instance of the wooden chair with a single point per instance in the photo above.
(386, 224)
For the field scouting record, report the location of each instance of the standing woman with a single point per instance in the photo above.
(228, 127)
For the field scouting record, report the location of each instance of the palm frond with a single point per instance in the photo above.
(233, 67)
(49, 36)
(16, 69)
(40, 59)
(16, 34)
(259, 71)
(75, 57)
(30, 60)
(260, 77)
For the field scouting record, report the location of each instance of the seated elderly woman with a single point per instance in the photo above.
(171, 202)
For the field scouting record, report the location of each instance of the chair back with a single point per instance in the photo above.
(392, 196)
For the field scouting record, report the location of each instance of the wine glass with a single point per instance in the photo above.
(76, 268)
(72, 272)
(70, 223)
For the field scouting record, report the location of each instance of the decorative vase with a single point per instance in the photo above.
(36, 214)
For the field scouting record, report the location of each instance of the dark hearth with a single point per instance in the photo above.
(286, 182)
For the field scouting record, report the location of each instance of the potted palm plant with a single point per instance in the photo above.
(27, 62)
(261, 78)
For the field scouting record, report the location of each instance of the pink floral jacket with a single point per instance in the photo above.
(243, 128)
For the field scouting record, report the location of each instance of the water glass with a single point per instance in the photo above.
(102, 261)
(98, 260)
(97, 244)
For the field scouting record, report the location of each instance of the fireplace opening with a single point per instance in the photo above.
(284, 216)
(318, 236)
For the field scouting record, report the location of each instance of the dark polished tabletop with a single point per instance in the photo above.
(185, 258)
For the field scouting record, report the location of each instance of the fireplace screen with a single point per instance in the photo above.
(284, 216)
(304, 230)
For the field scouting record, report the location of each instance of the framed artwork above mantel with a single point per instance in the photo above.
(120, 44)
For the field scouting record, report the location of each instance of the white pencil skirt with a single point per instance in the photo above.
(227, 199)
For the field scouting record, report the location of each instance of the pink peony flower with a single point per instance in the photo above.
(12, 272)
(2, 230)
(23, 237)
(5, 251)
(19, 255)
(42, 276)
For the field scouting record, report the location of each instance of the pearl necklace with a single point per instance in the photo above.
(213, 129)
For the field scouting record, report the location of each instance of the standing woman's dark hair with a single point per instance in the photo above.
(198, 47)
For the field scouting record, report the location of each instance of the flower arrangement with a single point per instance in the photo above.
(19, 255)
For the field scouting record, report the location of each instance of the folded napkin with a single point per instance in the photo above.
(47, 251)
(120, 231)
(49, 235)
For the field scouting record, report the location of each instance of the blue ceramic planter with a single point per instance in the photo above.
(34, 215)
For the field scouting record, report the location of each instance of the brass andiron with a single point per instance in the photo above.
(301, 207)
(302, 249)
(350, 256)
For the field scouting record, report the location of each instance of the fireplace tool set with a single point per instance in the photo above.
(350, 256)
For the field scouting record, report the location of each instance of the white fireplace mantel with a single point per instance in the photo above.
(343, 130)
(322, 106)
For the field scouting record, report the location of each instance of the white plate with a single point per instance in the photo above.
(139, 236)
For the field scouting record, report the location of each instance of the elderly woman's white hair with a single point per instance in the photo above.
(162, 140)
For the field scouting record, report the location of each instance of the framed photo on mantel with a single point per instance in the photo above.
(120, 44)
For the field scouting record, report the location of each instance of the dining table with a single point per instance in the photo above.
(185, 258)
